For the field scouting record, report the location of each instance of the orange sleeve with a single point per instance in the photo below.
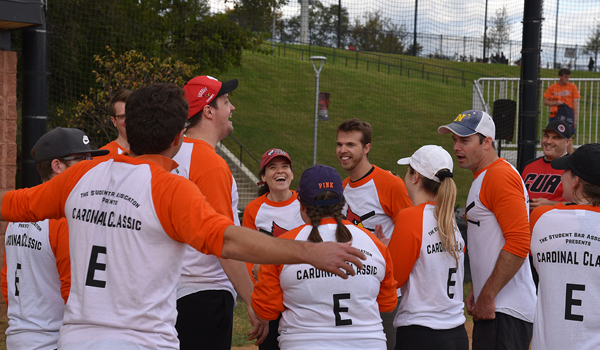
(576, 92)
(392, 193)
(250, 213)
(405, 244)
(387, 297)
(185, 214)
(249, 221)
(214, 179)
(549, 92)
(267, 297)
(59, 242)
(45, 201)
(502, 192)
(3, 283)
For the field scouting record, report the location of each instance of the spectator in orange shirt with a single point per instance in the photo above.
(563, 93)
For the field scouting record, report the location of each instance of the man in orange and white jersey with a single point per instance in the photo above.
(205, 293)
(130, 221)
(116, 107)
(374, 196)
(36, 276)
(502, 301)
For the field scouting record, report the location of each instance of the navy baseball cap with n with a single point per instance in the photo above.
(584, 162)
(470, 123)
(61, 142)
(319, 178)
(201, 90)
(561, 127)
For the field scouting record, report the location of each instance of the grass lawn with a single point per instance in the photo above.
(275, 106)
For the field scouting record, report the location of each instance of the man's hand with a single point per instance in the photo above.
(260, 327)
(484, 308)
(470, 303)
(558, 103)
(335, 258)
(538, 202)
(379, 234)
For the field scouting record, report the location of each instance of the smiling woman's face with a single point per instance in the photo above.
(278, 174)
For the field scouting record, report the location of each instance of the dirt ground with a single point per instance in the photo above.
(468, 326)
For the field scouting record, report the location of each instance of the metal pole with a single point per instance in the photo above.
(321, 59)
(304, 22)
(530, 84)
(339, 23)
(34, 117)
(555, 34)
(273, 35)
(415, 31)
(485, 30)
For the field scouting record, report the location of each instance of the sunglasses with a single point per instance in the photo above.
(76, 158)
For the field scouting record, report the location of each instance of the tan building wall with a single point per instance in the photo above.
(8, 129)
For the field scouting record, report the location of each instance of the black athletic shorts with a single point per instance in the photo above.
(503, 333)
(423, 338)
(205, 320)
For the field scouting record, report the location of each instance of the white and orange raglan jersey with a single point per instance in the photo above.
(565, 245)
(498, 219)
(429, 277)
(375, 199)
(199, 162)
(130, 221)
(114, 148)
(272, 218)
(320, 310)
(36, 279)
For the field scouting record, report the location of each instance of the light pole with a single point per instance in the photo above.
(321, 60)
(555, 35)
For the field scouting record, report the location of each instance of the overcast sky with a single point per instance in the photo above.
(460, 18)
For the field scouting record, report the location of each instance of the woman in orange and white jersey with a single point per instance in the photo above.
(274, 212)
(565, 244)
(428, 254)
(318, 309)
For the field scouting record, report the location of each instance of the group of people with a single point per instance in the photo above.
(151, 254)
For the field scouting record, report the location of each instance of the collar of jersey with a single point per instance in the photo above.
(167, 163)
(365, 179)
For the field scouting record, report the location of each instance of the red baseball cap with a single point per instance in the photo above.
(273, 153)
(201, 90)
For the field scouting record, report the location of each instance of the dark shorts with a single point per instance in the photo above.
(205, 320)
(271, 342)
(424, 338)
(503, 333)
(387, 319)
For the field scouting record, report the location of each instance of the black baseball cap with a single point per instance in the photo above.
(319, 178)
(584, 162)
(61, 142)
(561, 127)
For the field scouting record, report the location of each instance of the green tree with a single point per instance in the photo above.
(255, 15)
(378, 33)
(592, 45)
(130, 70)
(323, 24)
(498, 35)
(180, 29)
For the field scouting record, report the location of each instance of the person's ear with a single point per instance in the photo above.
(57, 166)
(367, 148)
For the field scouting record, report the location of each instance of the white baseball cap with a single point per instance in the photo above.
(469, 123)
(428, 161)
